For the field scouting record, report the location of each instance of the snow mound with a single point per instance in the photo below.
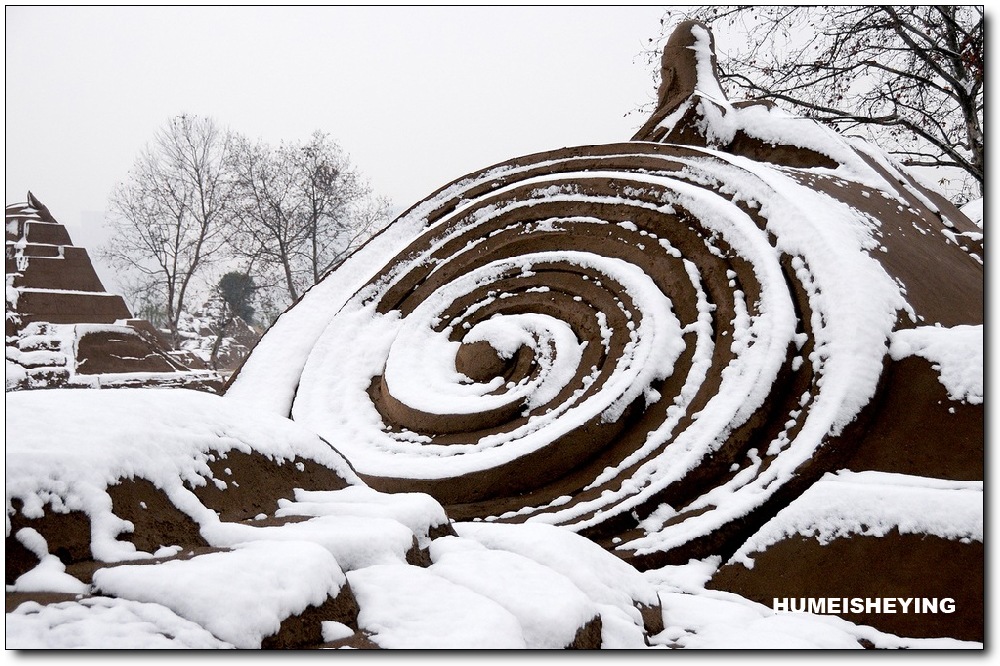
(875, 503)
(240, 596)
(175, 518)
(957, 354)
(100, 623)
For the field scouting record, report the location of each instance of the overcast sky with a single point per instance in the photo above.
(416, 96)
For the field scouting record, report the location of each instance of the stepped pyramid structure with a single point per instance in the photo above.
(63, 329)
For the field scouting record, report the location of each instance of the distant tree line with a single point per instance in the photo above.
(200, 197)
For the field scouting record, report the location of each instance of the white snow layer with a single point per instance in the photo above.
(974, 210)
(65, 446)
(240, 596)
(493, 585)
(696, 617)
(720, 121)
(549, 607)
(50, 573)
(417, 511)
(102, 623)
(956, 353)
(873, 504)
(711, 620)
(412, 608)
(470, 596)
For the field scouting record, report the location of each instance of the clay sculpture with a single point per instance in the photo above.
(739, 345)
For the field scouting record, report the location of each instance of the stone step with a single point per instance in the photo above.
(32, 343)
(48, 377)
(33, 250)
(50, 233)
(37, 359)
(119, 349)
(70, 307)
(70, 268)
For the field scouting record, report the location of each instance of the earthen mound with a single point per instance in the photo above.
(192, 521)
(657, 344)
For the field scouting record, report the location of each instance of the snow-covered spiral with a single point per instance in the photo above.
(644, 343)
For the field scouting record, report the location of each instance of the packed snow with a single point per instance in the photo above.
(412, 608)
(873, 504)
(262, 574)
(50, 573)
(240, 596)
(974, 210)
(956, 353)
(87, 440)
(101, 623)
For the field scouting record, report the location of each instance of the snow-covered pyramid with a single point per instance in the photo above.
(612, 396)
(62, 328)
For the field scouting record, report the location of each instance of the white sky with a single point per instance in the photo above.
(416, 96)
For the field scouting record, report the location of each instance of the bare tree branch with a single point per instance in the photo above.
(911, 77)
(165, 218)
(302, 208)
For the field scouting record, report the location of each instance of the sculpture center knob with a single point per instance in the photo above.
(480, 362)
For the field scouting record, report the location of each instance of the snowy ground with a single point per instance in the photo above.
(488, 585)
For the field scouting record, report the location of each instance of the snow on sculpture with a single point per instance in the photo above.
(739, 343)
(63, 329)
(654, 343)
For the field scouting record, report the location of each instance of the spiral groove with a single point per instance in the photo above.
(608, 338)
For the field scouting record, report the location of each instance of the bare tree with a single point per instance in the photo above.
(198, 194)
(340, 210)
(303, 208)
(167, 219)
(267, 228)
(912, 76)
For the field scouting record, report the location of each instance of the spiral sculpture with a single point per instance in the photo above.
(648, 343)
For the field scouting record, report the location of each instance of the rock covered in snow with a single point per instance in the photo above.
(223, 527)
